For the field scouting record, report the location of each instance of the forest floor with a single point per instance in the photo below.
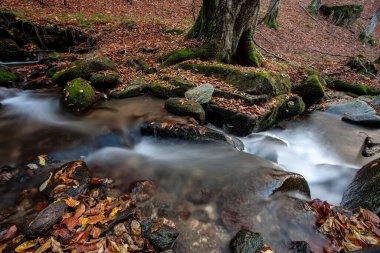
(302, 40)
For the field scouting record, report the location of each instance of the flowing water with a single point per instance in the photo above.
(320, 147)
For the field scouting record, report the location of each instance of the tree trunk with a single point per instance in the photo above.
(226, 27)
(372, 24)
(314, 6)
(270, 18)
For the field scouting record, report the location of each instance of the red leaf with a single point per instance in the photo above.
(71, 223)
(10, 233)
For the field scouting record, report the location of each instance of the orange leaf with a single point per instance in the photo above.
(95, 232)
(71, 202)
(80, 210)
(71, 223)
(95, 219)
(10, 233)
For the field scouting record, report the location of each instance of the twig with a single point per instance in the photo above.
(366, 70)
(275, 55)
(327, 53)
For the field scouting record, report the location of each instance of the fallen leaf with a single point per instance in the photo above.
(10, 233)
(44, 247)
(26, 245)
(71, 202)
(46, 183)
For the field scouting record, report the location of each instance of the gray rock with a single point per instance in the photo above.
(363, 119)
(247, 242)
(128, 92)
(201, 94)
(350, 108)
(185, 107)
(364, 189)
(376, 102)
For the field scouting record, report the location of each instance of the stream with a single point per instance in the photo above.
(320, 147)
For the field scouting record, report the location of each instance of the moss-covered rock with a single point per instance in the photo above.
(7, 77)
(186, 107)
(40, 83)
(311, 90)
(50, 73)
(83, 69)
(358, 89)
(362, 65)
(247, 242)
(255, 83)
(104, 79)
(78, 95)
(133, 89)
(144, 66)
(170, 87)
(175, 31)
(177, 57)
(342, 15)
(52, 58)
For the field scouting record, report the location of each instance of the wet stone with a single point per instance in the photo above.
(142, 190)
(135, 227)
(163, 238)
(300, 247)
(247, 242)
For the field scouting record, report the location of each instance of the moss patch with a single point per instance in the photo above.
(255, 83)
(358, 89)
(104, 79)
(175, 31)
(342, 15)
(78, 95)
(311, 90)
(7, 77)
(170, 87)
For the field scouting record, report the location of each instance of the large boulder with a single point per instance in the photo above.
(83, 69)
(170, 87)
(247, 242)
(104, 79)
(311, 90)
(355, 88)
(364, 189)
(78, 95)
(185, 107)
(342, 15)
(133, 89)
(362, 65)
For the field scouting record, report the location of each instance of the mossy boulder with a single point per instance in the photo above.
(342, 15)
(170, 87)
(311, 90)
(355, 88)
(104, 79)
(362, 65)
(186, 107)
(177, 57)
(52, 58)
(78, 95)
(364, 189)
(247, 242)
(254, 83)
(7, 77)
(40, 83)
(83, 69)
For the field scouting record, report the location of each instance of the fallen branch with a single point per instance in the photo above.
(327, 53)
(273, 54)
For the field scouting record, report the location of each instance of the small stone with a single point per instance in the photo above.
(247, 242)
(119, 229)
(135, 227)
(142, 190)
(163, 238)
(185, 107)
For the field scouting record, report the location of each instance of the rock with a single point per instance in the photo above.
(170, 87)
(193, 133)
(247, 242)
(7, 77)
(104, 79)
(163, 238)
(185, 107)
(78, 95)
(300, 247)
(201, 94)
(362, 65)
(248, 99)
(376, 102)
(342, 15)
(254, 83)
(133, 89)
(368, 120)
(364, 189)
(51, 215)
(142, 190)
(83, 69)
(52, 58)
(144, 66)
(358, 89)
(370, 147)
(352, 108)
(311, 90)
(40, 83)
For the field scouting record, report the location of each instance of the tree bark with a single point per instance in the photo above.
(270, 18)
(314, 6)
(372, 24)
(226, 28)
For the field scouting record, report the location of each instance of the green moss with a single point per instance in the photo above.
(362, 65)
(7, 77)
(273, 24)
(342, 15)
(255, 57)
(78, 95)
(256, 83)
(311, 9)
(83, 69)
(177, 87)
(311, 90)
(177, 57)
(175, 31)
(358, 89)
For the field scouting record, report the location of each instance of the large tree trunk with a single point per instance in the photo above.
(314, 6)
(226, 27)
(372, 25)
(270, 18)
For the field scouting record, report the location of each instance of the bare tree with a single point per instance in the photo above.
(366, 34)
(270, 18)
(226, 28)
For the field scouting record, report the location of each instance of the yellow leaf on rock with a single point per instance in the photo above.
(26, 245)
(46, 183)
